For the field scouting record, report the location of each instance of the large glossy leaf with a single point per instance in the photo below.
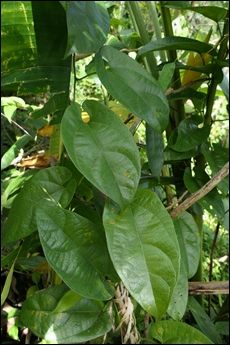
(177, 43)
(178, 303)
(103, 150)
(212, 202)
(174, 332)
(188, 135)
(143, 247)
(33, 44)
(203, 320)
(61, 320)
(76, 249)
(155, 150)
(189, 242)
(55, 183)
(88, 26)
(133, 86)
(213, 12)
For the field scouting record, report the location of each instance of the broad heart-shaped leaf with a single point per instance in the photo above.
(103, 150)
(188, 134)
(175, 332)
(178, 303)
(144, 250)
(34, 44)
(82, 321)
(177, 43)
(189, 242)
(76, 249)
(55, 183)
(88, 26)
(203, 320)
(133, 86)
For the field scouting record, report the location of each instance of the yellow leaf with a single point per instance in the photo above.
(195, 60)
(46, 131)
(85, 117)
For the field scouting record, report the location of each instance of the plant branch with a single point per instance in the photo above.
(211, 261)
(201, 192)
(154, 18)
(208, 288)
(139, 26)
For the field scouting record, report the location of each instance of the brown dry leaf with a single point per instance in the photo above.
(37, 161)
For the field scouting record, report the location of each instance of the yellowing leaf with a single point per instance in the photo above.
(195, 60)
(85, 117)
(46, 131)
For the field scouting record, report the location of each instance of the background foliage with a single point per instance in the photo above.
(111, 111)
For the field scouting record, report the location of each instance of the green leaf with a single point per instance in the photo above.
(214, 68)
(212, 202)
(9, 111)
(33, 47)
(14, 150)
(213, 12)
(67, 301)
(217, 156)
(178, 303)
(177, 43)
(55, 106)
(222, 327)
(166, 74)
(188, 134)
(55, 183)
(189, 242)
(83, 321)
(144, 250)
(76, 249)
(171, 155)
(188, 93)
(12, 100)
(132, 86)
(15, 183)
(6, 287)
(103, 150)
(88, 26)
(155, 150)
(203, 321)
(175, 332)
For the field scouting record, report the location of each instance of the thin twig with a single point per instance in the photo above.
(75, 77)
(209, 288)
(211, 260)
(171, 91)
(201, 192)
(16, 124)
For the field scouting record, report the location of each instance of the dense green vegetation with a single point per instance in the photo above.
(115, 195)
